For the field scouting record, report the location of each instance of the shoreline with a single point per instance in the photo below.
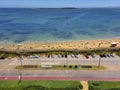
(57, 41)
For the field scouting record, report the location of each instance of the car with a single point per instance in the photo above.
(1, 58)
(59, 56)
(101, 55)
(31, 57)
(92, 56)
(86, 56)
(75, 55)
(52, 56)
(72, 56)
(111, 55)
(104, 56)
(107, 55)
(48, 56)
(62, 55)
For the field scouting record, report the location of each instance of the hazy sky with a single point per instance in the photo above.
(59, 3)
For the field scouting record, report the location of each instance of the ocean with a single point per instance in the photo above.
(19, 25)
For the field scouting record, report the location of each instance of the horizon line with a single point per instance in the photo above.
(64, 7)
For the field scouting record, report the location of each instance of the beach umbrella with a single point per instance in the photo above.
(113, 44)
(19, 44)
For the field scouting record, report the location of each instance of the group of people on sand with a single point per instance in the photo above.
(79, 45)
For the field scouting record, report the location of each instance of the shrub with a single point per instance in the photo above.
(70, 66)
(34, 88)
(76, 66)
(2, 57)
(91, 87)
(80, 86)
(30, 66)
(65, 66)
(87, 66)
(114, 89)
(65, 88)
(95, 84)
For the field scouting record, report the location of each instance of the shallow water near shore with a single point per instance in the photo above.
(53, 25)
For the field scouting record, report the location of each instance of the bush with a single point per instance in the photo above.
(76, 66)
(70, 66)
(39, 88)
(114, 89)
(80, 86)
(30, 66)
(6, 55)
(91, 87)
(87, 66)
(34, 88)
(65, 88)
(11, 88)
(95, 84)
(2, 57)
(64, 66)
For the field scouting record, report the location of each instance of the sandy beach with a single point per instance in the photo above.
(73, 45)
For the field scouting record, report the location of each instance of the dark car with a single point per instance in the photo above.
(107, 55)
(92, 56)
(101, 55)
(111, 55)
(86, 56)
(104, 56)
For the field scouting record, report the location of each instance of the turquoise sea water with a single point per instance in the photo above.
(48, 25)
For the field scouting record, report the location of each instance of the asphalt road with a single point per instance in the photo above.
(63, 61)
(111, 73)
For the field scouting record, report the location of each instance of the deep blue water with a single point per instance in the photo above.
(46, 25)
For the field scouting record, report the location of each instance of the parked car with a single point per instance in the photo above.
(107, 55)
(112, 55)
(59, 56)
(102, 55)
(86, 56)
(72, 56)
(92, 56)
(32, 57)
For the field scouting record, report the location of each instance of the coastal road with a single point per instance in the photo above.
(112, 73)
(63, 61)
(63, 75)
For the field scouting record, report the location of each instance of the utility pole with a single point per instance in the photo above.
(18, 51)
(99, 62)
(66, 56)
(20, 59)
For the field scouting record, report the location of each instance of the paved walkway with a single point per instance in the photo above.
(85, 85)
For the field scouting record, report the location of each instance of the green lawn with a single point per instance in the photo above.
(60, 67)
(39, 85)
(104, 85)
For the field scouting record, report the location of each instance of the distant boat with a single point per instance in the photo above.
(69, 8)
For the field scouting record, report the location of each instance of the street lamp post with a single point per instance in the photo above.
(18, 48)
(20, 58)
(66, 56)
(99, 62)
